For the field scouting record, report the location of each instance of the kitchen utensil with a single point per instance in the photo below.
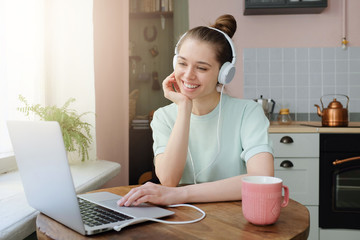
(335, 115)
(284, 116)
(268, 105)
(155, 84)
(144, 76)
(154, 51)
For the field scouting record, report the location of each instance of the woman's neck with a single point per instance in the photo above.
(205, 105)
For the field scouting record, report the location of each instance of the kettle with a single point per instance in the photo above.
(335, 115)
(265, 103)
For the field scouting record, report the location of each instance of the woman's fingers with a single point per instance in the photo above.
(168, 84)
(137, 195)
(149, 192)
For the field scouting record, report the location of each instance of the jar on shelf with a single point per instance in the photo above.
(284, 116)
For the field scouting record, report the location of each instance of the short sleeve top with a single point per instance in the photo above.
(220, 142)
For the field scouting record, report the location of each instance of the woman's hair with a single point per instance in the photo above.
(225, 23)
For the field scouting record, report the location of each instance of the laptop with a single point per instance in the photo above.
(42, 161)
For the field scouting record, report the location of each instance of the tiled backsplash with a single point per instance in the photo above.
(296, 78)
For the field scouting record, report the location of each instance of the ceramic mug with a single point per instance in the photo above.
(262, 199)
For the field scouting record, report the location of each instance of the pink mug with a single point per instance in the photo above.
(262, 199)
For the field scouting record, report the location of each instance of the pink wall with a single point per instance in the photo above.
(256, 31)
(111, 44)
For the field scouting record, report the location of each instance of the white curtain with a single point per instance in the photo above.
(46, 54)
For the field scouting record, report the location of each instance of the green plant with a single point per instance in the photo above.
(76, 133)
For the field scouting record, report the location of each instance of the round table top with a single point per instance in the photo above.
(224, 220)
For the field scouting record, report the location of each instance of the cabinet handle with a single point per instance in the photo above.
(286, 140)
(286, 164)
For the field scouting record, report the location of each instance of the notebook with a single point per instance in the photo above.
(42, 161)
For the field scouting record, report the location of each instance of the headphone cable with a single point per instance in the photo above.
(196, 175)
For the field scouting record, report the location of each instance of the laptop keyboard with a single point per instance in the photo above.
(95, 215)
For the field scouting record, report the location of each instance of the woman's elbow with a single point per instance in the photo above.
(168, 182)
(167, 179)
(261, 164)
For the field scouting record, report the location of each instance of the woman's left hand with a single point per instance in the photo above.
(151, 193)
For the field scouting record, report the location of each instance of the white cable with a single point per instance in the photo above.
(218, 139)
(193, 167)
(142, 219)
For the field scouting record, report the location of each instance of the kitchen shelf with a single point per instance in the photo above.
(142, 15)
(262, 7)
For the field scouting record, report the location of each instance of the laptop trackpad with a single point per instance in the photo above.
(143, 210)
(109, 200)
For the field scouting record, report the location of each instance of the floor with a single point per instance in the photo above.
(31, 237)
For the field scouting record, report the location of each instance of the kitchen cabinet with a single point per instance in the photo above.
(260, 7)
(297, 163)
(305, 137)
(141, 167)
(336, 234)
(149, 15)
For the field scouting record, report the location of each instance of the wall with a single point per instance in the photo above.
(279, 31)
(297, 78)
(111, 57)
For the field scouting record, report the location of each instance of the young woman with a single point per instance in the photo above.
(205, 141)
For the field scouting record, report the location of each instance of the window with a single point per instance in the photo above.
(46, 50)
(22, 59)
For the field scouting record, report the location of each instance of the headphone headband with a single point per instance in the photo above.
(230, 43)
(227, 70)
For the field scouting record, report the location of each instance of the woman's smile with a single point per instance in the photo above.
(190, 86)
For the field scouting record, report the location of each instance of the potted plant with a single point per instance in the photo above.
(76, 133)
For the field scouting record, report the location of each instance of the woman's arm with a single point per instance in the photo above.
(261, 164)
(229, 189)
(170, 164)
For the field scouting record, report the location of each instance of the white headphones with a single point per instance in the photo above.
(227, 70)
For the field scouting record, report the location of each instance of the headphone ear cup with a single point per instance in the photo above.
(226, 73)
(175, 61)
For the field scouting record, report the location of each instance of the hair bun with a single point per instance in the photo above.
(226, 23)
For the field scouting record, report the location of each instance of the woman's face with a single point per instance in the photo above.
(196, 70)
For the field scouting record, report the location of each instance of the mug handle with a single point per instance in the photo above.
(286, 196)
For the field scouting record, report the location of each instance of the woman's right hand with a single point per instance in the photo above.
(172, 90)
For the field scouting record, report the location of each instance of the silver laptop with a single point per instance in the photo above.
(45, 173)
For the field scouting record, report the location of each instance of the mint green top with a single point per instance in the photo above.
(243, 132)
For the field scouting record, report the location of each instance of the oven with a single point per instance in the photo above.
(339, 205)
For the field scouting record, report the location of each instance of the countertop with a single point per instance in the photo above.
(312, 127)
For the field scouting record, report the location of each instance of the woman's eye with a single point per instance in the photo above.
(202, 68)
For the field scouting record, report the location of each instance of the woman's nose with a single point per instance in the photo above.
(189, 73)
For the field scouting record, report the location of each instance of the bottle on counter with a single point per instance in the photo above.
(284, 116)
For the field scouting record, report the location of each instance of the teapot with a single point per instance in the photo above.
(265, 103)
(335, 115)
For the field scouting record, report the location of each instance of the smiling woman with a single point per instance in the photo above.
(205, 140)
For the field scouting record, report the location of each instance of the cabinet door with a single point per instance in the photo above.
(314, 222)
(336, 234)
(302, 178)
(140, 156)
(283, 6)
(295, 144)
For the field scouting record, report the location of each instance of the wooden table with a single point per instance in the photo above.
(224, 220)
